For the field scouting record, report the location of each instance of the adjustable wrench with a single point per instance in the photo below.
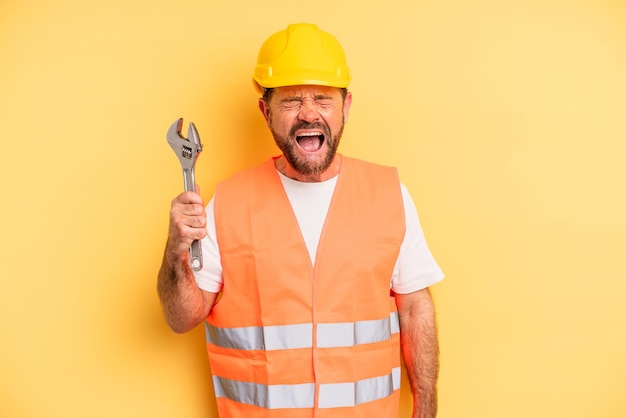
(187, 152)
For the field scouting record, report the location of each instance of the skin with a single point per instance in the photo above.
(420, 349)
(311, 112)
(184, 304)
(307, 110)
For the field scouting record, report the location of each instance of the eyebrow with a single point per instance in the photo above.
(319, 96)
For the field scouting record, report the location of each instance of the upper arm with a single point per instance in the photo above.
(415, 304)
(415, 267)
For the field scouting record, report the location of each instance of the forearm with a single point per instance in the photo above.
(182, 300)
(420, 348)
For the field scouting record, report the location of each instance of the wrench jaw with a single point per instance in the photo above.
(192, 135)
(173, 134)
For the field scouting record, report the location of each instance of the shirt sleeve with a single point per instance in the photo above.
(210, 277)
(416, 268)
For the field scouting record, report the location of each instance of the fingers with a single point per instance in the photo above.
(189, 197)
(187, 221)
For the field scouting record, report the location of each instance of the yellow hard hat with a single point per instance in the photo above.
(301, 54)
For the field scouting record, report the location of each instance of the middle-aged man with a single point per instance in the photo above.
(318, 259)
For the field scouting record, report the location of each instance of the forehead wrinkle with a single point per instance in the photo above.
(301, 92)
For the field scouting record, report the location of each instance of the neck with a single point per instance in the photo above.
(285, 168)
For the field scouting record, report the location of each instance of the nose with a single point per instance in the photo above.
(308, 110)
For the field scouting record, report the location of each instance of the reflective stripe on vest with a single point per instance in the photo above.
(331, 395)
(281, 337)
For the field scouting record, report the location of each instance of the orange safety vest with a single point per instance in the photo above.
(288, 339)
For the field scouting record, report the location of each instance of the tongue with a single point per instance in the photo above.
(310, 143)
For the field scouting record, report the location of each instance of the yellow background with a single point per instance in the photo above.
(506, 119)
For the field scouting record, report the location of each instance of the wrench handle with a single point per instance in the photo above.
(195, 251)
(195, 256)
(188, 178)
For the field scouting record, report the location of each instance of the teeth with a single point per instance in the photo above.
(310, 134)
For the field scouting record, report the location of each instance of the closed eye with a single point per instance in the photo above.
(291, 104)
(321, 102)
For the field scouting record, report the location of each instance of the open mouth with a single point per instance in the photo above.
(310, 141)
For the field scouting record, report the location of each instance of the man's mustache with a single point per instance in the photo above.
(306, 125)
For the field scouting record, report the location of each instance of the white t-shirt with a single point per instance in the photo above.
(415, 267)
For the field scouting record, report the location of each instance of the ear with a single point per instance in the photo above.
(346, 106)
(265, 111)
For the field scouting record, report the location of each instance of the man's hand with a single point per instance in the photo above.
(184, 304)
(187, 224)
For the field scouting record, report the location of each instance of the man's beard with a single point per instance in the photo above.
(300, 163)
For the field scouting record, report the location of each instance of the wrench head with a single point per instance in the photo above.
(187, 151)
